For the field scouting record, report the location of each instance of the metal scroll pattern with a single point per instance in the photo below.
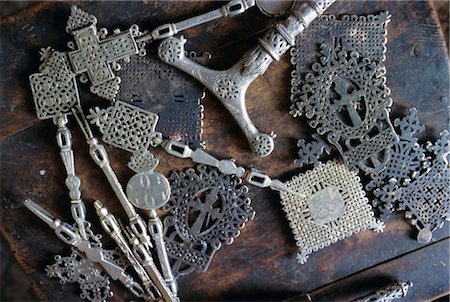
(345, 97)
(150, 84)
(207, 209)
(334, 206)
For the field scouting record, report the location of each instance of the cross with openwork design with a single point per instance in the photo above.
(95, 57)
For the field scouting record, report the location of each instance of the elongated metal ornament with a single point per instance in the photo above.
(344, 96)
(394, 291)
(230, 86)
(333, 206)
(206, 209)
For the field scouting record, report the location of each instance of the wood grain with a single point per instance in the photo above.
(261, 264)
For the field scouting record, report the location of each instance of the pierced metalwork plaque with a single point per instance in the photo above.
(344, 96)
(406, 159)
(95, 55)
(334, 207)
(54, 89)
(126, 126)
(157, 87)
(206, 209)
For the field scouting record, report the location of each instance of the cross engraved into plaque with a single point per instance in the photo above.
(326, 205)
(206, 211)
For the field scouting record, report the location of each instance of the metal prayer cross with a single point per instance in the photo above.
(95, 57)
(206, 210)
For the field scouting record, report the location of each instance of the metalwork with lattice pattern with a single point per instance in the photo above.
(344, 95)
(126, 126)
(334, 206)
(152, 85)
(206, 209)
(95, 55)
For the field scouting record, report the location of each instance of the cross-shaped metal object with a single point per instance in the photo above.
(95, 57)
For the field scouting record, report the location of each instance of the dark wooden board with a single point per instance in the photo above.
(261, 264)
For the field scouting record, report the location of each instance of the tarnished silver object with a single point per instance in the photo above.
(217, 206)
(95, 55)
(273, 8)
(405, 161)
(230, 86)
(149, 84)
(416, 179)
(93, 252)
(225, 166)
(333, 207)
(344, 95)
(310, 153)
(54, 89)
(231, 9)
(394, 291)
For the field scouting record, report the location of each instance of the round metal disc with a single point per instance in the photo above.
(148, 190)
(275, 8)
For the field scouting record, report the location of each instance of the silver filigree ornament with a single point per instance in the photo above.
(406, 160)
(334, 207)
(95, 55)
(345, 97)
(152, 85)
(230, 86)
(206, 209)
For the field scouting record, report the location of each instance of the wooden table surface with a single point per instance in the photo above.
(261, 263)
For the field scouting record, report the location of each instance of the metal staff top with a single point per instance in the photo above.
(230, 86)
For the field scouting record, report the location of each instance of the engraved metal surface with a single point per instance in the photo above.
(333, 207)
(394, 291)
(126, 126)
(54, 88)
(230, 86)
(405, 161)
(345, 98)
(206, 210)
(95, 55)
(150, 84)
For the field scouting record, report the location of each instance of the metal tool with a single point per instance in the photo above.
(150, 190)
(112, 227)
(230, 86)
(69, 235)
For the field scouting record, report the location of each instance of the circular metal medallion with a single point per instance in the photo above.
(273, 8)
(148, 190)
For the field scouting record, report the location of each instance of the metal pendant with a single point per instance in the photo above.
(344, 96)
(206, 209)
(310, 153)
(126, 126)
(150, 84)
(406, 160)
(94, 282)
(95, 55)
(334, 206)
(54, 89)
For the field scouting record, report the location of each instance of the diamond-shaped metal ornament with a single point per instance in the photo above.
(344, 96)
(152, 85)
(126, 126)
(54, 89)
(206, 209)
(334, 207)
